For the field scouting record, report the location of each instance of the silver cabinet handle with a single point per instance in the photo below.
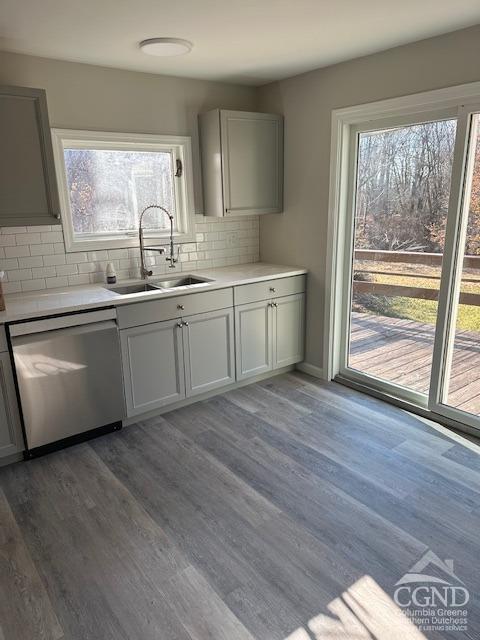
(181, 306)
(185, 324)
(272, 289)
(180, 324)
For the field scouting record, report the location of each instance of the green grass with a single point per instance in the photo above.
(417, 309)
(426, 311)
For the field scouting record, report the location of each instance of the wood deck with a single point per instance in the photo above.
(400, 351)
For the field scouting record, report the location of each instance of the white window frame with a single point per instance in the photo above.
(462, 100)
(181, 149)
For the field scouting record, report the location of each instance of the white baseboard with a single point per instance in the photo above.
(311, 369)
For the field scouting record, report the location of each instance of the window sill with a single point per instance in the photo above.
(126, 242)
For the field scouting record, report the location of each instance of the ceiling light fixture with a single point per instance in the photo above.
(165, 46)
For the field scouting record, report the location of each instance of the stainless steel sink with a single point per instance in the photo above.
(125, 290)
(181, 281)
(171, 283)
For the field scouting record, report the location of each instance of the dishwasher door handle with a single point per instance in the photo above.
(61, 322)
(51, 335)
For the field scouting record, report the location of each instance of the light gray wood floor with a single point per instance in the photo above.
(286, 509)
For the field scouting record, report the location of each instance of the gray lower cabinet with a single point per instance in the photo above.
(209, 351)
(153, 368)
(253, 339)
(288, 330)
(165, 362)
(269, 335)
(11, 439)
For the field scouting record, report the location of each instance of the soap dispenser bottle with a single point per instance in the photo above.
(111, 274)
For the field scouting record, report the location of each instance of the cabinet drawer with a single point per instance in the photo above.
(269, 289)
(158, 310)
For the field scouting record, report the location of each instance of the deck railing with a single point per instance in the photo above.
(413, 258)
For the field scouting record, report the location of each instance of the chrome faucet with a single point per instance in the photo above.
(144, 272)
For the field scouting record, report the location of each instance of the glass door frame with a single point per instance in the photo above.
(462, 100)
(389, 388)
(448, 300)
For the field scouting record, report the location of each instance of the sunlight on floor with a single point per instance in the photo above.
(362, 612)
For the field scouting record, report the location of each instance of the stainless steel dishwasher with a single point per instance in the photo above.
(69, 378)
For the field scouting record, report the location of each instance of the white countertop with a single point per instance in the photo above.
(21, 306)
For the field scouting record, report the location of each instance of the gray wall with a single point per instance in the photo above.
(82, 96)
(298, 237)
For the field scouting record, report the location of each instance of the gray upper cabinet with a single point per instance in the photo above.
(242, 162)
(28, 190)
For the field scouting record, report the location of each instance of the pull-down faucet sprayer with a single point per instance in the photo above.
(144, 272)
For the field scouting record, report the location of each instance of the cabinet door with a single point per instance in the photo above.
(253, 339)
(209, 351)
(252, 160)
(288, 330)
(11, 439)
(26, 154)
(152, 366)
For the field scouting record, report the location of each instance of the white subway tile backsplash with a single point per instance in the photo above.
(54, 260)
(7, 241)
(33, 285)
(76, 280)
(38, 228)
(87, 267)
(13, 230)
(12, 287)
(30, 261)
(53, 283)
(9, 263)
(17, 252)
(44, 272)
(97, 256)
(41, 249)
(76, 258)
(19, 274)
(66, 269)
(52, 236)
(117, 254)
(34, 257)
(28, 238)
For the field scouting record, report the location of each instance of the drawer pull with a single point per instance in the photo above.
(181, 306)
(272, 289)
(180, 324)
(185, 324)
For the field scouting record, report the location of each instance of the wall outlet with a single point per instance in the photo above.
(232, 239)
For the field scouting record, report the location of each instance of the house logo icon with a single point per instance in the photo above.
(431, 582)
(416, 573)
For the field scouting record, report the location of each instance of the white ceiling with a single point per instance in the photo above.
(245, 41)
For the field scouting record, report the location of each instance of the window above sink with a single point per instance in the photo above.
(106, 179)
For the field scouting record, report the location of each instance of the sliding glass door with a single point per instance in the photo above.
(411, 297)
(455, 388)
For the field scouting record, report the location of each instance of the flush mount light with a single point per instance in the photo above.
(165, 46)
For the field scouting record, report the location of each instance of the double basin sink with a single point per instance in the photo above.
(172, 283)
